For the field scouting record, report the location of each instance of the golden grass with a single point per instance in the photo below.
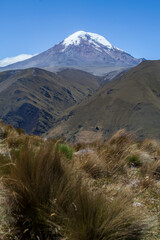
(92, 196)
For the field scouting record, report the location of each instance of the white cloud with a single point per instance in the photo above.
(9, 60)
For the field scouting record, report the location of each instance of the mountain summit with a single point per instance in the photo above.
(93, 39)
(80, 50)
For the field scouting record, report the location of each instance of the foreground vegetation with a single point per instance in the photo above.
(98, 191)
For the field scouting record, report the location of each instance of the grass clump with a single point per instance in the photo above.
(93, 166)
(66, 150)
(95, 217)
(114, 152)
(48, 200)
(97, 196)
(134, 161)
(31, 183)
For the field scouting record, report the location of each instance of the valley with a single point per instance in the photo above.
(35, 97)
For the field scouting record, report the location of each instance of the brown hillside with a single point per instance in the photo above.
(131, 101)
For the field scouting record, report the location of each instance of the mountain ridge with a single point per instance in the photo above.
(131, 101)
(80, 49)
(32, 98)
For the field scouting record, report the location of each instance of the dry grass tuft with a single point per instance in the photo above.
(31, 183)
(95, 217)
(92, 165)
(150, 146)
(121, 138)
(51, 193)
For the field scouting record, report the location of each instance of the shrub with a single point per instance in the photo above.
(66, 150)
(134, 161)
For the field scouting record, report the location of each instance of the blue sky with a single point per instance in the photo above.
(32, 26)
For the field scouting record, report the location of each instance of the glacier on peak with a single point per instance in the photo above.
(93, 38)
(82, 50)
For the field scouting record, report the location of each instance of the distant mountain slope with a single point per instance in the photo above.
(131, 101)
(31, 99)
(82, 50)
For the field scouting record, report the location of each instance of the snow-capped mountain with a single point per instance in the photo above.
(93, 39)
(80, 49)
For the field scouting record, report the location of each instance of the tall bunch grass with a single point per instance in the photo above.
(49, 199)
(33, 179)
(97, 218)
